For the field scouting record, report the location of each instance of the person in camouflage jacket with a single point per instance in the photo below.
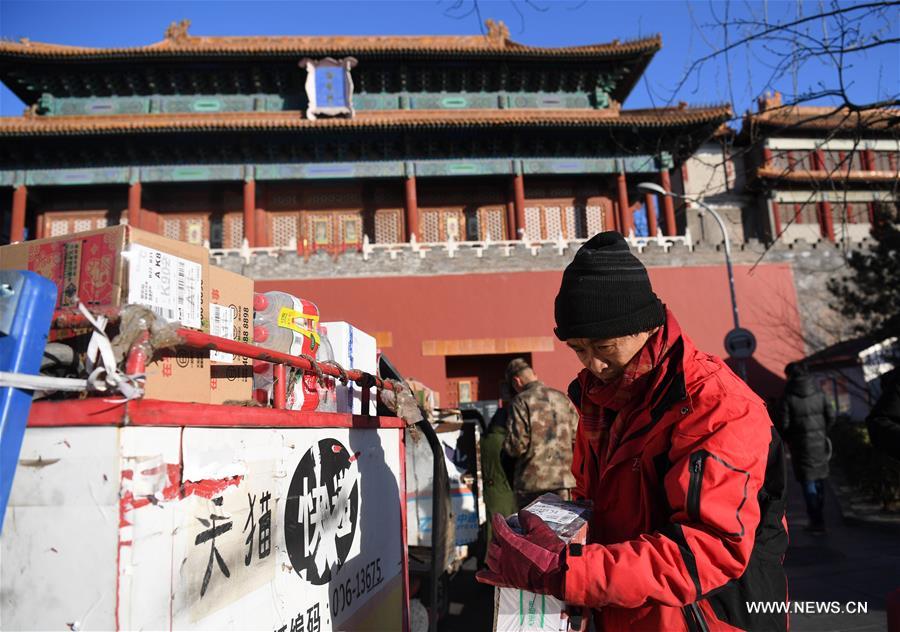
(541, 434)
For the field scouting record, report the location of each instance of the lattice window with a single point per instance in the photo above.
(492, 223)
(172, 228)
(388, 226)
(57, 224)
(574, 222)
(81, 225)
(440, 225)
(233, 235)
(284, 229)
(533, 222)
(430, 226)
(594, 219)
(59, 227)
(552, 222)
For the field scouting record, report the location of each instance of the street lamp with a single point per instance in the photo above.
(740, 338)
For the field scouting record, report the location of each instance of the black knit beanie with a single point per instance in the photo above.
(606, 293)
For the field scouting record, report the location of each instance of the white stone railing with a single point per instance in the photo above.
(451, 247)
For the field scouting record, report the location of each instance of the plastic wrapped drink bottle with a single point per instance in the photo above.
(270, 336)
(267, 305)
(262, 382)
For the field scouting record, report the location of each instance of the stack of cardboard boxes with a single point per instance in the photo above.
(119, 265)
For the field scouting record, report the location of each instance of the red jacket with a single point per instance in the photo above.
(688, 484)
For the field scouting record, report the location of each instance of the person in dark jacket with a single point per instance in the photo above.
(497, 467)
(884, 420)
(806, 416)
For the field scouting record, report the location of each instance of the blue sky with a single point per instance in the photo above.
(688, 30)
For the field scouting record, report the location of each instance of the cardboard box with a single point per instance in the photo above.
(115, 266)
(518, 610)
(353, 349)
(231, 317)
(179, 375)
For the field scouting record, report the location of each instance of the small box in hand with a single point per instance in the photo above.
(517, 610)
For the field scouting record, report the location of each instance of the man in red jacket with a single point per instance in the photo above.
(679, 458)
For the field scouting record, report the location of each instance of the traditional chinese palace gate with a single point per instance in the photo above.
(320, 141)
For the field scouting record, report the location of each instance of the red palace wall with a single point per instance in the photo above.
(502, 306)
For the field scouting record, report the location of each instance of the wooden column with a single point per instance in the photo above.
(134, 205)
(826, 219)
(668, 204)
(624, 207)
(250, 212)
(41, 220)
(17, 226)
(651, 214)
(869, 157)
(818, 160)
(412, 209)
(610, 217)
(510, 217)
(518, 183)
(776, 219)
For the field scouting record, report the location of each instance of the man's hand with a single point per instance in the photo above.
(534, 560)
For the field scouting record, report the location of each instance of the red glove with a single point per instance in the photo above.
(534, 560)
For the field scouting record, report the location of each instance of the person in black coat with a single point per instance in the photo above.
(806, 416)
(884, 420)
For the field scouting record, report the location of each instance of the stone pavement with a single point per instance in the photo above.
(851, 563)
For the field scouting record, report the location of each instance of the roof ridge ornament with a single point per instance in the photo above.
(177, 32)
(497, 31)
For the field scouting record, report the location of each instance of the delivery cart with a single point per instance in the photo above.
(144, 514)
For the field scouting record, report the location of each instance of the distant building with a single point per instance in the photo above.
(820, 172)
(714, 174)
(850, 372)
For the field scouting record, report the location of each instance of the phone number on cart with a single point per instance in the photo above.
(360, 583)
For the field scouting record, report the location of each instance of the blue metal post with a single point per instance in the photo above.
(26, 309)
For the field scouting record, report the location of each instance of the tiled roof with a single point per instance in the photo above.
(826, 118)
(397, 119)
(178, 43)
